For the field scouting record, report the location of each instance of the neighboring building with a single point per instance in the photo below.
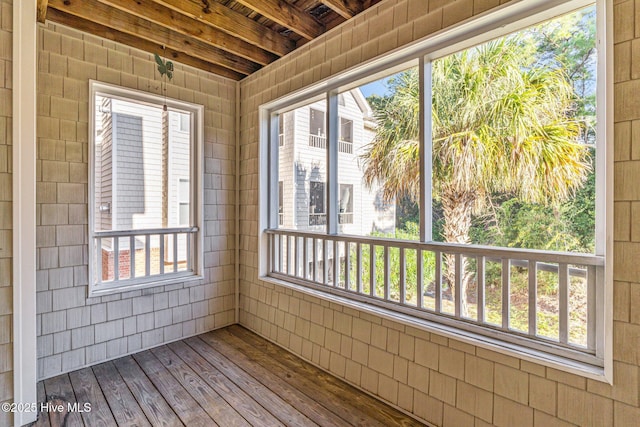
(129, 138)
(302, 180)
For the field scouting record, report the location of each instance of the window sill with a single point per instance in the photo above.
(509, 349)
(128, 285)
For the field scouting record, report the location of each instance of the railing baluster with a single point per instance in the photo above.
(161, 262)
(147, 255)
(480, 280)
(297, 253)
(438, 282)
(291, 255)
(99, 255)
(347, 264)
(533, 297)
(372, 270)
(189, 263)
(419, 279)
(305, 258)
(403, 284)
(359, 268)
(563, 303)
(458, 286)
(175, 252)
(591, 307)
(336, 263)
(387, 273)
(325, 262)
(116, 259)
(132, 256)
(315, 260)
(506, 292)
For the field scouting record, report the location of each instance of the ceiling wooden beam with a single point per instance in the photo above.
(42, 11)
(210, 12)
(145, 45)
(150, 11)
(287, 15)
(345, 8)
(92, 11)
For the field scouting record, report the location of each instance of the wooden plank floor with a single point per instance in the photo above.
(229, 377)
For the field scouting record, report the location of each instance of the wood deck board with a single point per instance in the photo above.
(59, 391)
(229, 377)
(149, 398)
(43, 417)
(277, 407)
(181, 402)
(214, 404)
(87, 390)
(253, 412)
(353, 405)
(308, 406)
(123, 405)
(336, 402)
(330, 384)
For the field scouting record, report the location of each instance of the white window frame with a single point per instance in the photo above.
(503, 20)
(195, 256)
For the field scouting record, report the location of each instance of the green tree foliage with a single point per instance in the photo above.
(503, 124)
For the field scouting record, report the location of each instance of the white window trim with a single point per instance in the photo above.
(196, 196)
(473, 31)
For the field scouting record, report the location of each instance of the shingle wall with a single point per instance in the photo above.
(74, 330)
(441, 380)
(6, 221)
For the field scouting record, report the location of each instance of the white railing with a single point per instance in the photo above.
(345, 147)
(136, 256)
(318, 219)
(317, 141)
(484, 290)
(321, 218)
(320, 141)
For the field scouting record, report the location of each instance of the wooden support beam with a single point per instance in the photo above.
(233, 23)
(151, 11)
(177, 37)
(182, 55)
(42, 11)
(345, 8)
(288, 15)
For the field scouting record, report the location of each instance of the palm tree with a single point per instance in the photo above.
(501, 124)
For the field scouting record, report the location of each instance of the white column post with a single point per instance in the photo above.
(24, 207)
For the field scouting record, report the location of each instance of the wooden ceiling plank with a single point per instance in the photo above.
(233, 23)
(98, 13)
(287, 15)
(142, 44)
(41, 11)
(345, 8)
(162, 15)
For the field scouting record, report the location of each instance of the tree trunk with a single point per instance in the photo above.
(457, 208)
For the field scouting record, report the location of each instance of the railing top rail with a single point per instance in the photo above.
(144, 232)
(453, 248)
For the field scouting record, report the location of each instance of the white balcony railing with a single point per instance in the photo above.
(345, 147)
(317, 141)
(321, 218)
(136, 256)
(320, 141)
(413, 278)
